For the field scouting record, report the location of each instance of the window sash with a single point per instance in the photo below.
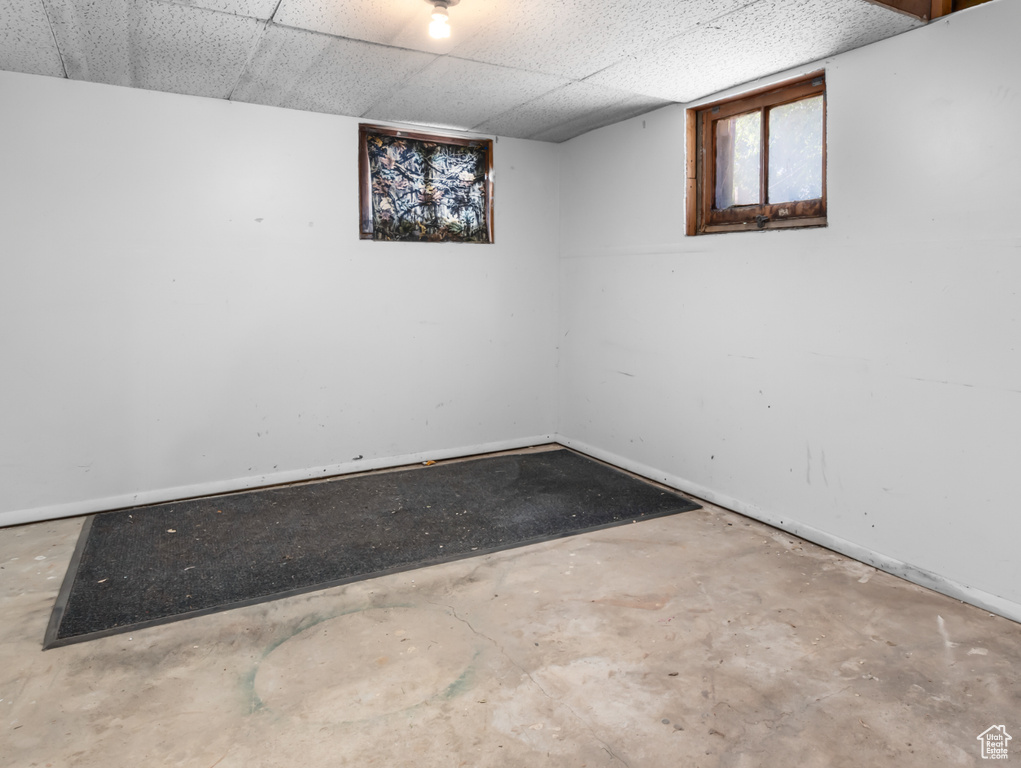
(365, 177)
(703, 217)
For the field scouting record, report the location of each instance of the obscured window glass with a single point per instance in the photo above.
(737, 159)
(424, 190)
(738, 141)
(795, 151)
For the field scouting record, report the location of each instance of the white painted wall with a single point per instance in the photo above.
(185, 305)
(185, 308)
(859, 384)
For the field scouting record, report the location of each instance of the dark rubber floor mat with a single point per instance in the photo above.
(148, 565)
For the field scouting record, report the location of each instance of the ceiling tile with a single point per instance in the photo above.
(575, 38)
(319, 73)
(591, 121)
(256, 9)
(458, 94)
(569, 111)
(768, 36)
(154, 45)
(511, 67)
(26, 42)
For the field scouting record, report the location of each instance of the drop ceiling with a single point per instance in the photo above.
(536, 69)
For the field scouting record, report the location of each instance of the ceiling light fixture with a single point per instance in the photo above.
(439, 27)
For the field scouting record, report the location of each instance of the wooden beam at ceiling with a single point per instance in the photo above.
(946, 7)
(920, 9)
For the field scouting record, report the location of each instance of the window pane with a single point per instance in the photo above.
(738, 148)
(424, 190)
(795, 151)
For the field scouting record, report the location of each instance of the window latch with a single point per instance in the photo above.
(761, 220)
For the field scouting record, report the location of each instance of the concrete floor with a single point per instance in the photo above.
(700, 640)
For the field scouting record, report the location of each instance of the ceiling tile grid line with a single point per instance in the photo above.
(248, 61)
(333, 36)
(552, 111)
(605, 105)
(515, 113)
(455, 55)
(263, 10)
(53, 36)
(402, 85)
(653, 48)
(153, 45)
(458, 94)
(303, 70)
(248, 75)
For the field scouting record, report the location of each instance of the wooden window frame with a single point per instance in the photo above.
(702, 218)
(365, 180)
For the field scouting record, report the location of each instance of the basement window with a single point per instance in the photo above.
(758, 161)
(423, 187)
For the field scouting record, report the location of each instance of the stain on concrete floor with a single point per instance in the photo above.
(703, 640)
